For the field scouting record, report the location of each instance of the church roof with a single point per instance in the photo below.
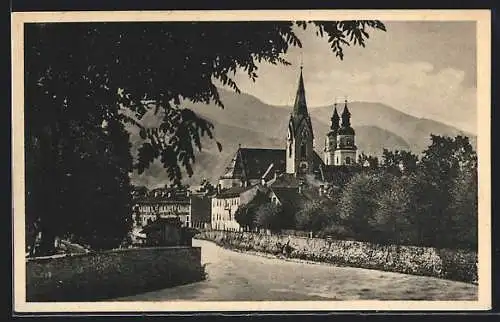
(348, 130)
(335, 120)
(299, 112)
(345, 128)
(253, 163)
(300, 105)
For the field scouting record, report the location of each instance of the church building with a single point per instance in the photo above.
(339, 143)
(251, 166)
(283, 172)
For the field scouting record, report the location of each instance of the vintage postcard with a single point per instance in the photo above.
(202, 161)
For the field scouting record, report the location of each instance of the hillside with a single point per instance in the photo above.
(247, 121)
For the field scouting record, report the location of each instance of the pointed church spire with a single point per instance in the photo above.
(300, 105)
(335, 119)
(346, 116)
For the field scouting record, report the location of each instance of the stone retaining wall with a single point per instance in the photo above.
(94, 276)
(459, 265)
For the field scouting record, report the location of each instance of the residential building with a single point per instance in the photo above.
(224, 206)
(164, 203)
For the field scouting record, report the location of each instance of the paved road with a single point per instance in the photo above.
(234, 276)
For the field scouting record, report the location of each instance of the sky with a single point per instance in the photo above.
(425, 69)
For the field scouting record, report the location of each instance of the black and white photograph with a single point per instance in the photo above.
(251, 161)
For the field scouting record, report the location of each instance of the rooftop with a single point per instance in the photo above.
(150, 200)
(290, 198)
(252, 163)
(231, 192)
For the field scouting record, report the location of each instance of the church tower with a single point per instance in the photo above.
(331, 139)
(345, 154)
(299, 144)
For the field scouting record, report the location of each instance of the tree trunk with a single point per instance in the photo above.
(46, 247)
(49, 205)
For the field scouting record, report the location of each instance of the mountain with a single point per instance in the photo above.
(209, 163)
(415, 131)
(248, 121)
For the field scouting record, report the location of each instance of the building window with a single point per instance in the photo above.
(303, 151)
(347, 160)
(290, 150)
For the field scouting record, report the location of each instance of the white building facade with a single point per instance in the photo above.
(224, 206)
(147, 211)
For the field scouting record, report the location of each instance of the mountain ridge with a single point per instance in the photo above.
(248, 121)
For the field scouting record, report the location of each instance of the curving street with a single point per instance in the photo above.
(234, 276)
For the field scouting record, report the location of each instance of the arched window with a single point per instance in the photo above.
(347, 160)
(290, 150)
(303, 150)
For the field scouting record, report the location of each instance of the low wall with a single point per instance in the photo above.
(459, 265)
(111, 274)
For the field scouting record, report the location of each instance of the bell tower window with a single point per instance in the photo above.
(303, 151)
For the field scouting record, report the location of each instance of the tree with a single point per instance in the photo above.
(444, 161)
(394, 220)
(207, 187)
(446, 157)
(246, 214)
(368, 161)
(358, 202)
(90, 71)
(399, 161)
(96, 192)
(315, 215)
(463, 209)
(268, 216)
(140, 191)
(77, 177)
(137, 216)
